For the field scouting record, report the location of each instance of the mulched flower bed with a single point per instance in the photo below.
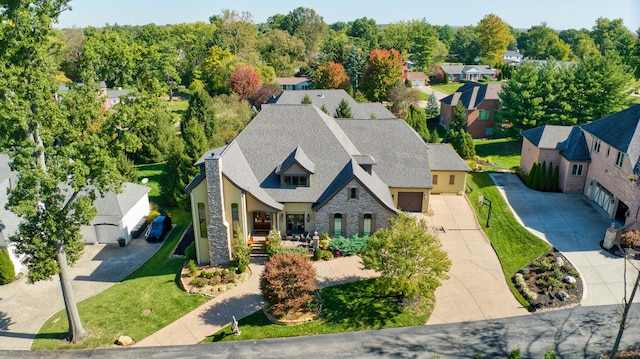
(211, 280)
(549, 283)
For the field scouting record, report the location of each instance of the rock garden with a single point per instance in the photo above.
(549, 283)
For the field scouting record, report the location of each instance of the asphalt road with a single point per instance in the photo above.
(581, 332)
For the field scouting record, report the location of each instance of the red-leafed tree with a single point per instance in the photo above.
(331, 76)
(244, 81)
(288, 283)
(263, 94)
(383, 70)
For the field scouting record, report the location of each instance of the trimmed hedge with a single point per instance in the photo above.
(7, 272)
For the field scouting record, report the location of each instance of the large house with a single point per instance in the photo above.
(117, 214)
(329, 100)
(600, 159)
(481, 102)
(458, 73)
(295, 169)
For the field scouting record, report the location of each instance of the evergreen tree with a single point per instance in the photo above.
(353, 67)
(556, 179)
(7, 271)
(324, 109)
(343, 110)
(433, 109)
(532, 175)
(306, 100)
(458, 119)
(540, 177)
(435, 136)
(548, 184)
(201, 108)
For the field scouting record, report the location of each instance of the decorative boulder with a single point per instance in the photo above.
(570, 279)
(124, 341)
(562, 295)
(559, 261)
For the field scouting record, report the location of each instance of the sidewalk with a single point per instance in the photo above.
(242, 301)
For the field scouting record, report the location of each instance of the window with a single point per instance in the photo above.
(483, 115)
(596, 146)
(202, 220)
(489, 132)
(337, 224)
(620, 159)
(577, 170)
(366, 224)
(452, 179)
(235, 218)
(296, 181)
(435, 179)
(608, 150)
(353, 193)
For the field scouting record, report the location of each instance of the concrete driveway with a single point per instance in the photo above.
(25, 307)
(476, 289)
(575, 227)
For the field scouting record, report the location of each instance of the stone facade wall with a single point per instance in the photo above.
(218, 229)
(352, 208)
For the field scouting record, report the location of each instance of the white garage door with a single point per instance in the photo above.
(107, 233)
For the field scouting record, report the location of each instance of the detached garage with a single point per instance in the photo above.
(410, 201)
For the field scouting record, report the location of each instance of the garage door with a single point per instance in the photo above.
(410, 201)
(107, 233)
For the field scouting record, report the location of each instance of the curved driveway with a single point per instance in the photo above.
(571, 224)
(476, 289)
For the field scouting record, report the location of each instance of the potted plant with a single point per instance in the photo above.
(121, 241)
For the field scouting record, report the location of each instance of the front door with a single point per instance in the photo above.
(295, 223)
(261, 220)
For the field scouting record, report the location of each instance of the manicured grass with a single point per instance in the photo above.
(152, 172)
(346, 308)
(448, 88)
(423, 96)
(178, 106)
(514, 245)
(143, 303)
(504, 152)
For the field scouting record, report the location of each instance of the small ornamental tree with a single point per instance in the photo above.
(411, 262)
(343, 110)
(288, 284)
(7, 271)
(331, 76)
(244, 81)
(458, 117)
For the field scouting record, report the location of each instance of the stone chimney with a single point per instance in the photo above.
(218, 229)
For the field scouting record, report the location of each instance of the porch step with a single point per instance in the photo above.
(256, 247)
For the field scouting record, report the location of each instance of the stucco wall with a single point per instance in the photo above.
(352, 209)
(443, 186)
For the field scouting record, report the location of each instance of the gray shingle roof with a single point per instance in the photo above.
(472, 94)
(297, 156)
(401, 155)
(330, 99)
(577, 149)
(459, 69)
(443, 158)
(549, 136)
(118, 205)
(621, 130)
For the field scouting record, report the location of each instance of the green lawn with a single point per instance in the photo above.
(514, 245)
(504, 152)
(178, 106)
(346, 308)
(447, 88)
(143, 303)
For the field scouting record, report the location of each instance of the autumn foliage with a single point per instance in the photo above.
(383, 70)
(331, 76)
(288, 283)
(244, 81)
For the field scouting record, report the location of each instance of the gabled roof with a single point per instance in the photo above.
(290, 80)
(119, 204)
(297, 156)
(400, 153)
(472, 94)
(330, 99)
(416, 75)
(569, 140)
(443, 158)
(621, 130)
(463, 69)
(378, 189)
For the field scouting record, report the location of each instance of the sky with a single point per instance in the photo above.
(558, 14)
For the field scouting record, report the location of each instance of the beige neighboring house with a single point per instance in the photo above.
(600, 159)
(293, 83)
(296, 170)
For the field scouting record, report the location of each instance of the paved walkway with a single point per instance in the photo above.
(25, 307)
(476, 289)
(575, 227)
(244, 300)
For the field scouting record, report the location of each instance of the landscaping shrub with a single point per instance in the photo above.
(153, 213)
(193, 268)
(7, 271)
(198, 282)
(295, 250)
(327, 255)
(348, 246)
(288, 283)
(241, 251)
(274, 245)
(317, 254)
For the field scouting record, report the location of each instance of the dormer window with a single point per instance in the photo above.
(296, 180)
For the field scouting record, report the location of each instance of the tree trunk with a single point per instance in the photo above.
(76, 330)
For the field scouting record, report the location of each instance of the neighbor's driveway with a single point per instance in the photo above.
(476, 289)
(25, 307)
(571, 224)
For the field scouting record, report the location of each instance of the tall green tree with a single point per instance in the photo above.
(433, 107)
(201, 108)
(522, 108)
(381, 74)
(417, 119)
(411, 262)
(458, 119)
(239, 32)
(343, 110)
(612, 35)
(466, 44)
(542, 42)
(494, 36)
(307, 25)
(353, 67)
(57, 148)
(365, 32)
(282, 51)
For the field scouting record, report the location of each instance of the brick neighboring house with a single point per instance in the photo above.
(480, 101)
(295, 169)
(600, 159)
(293, 83)
(457, 73)
(415, 78)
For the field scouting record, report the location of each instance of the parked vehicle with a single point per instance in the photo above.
(160, 226)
